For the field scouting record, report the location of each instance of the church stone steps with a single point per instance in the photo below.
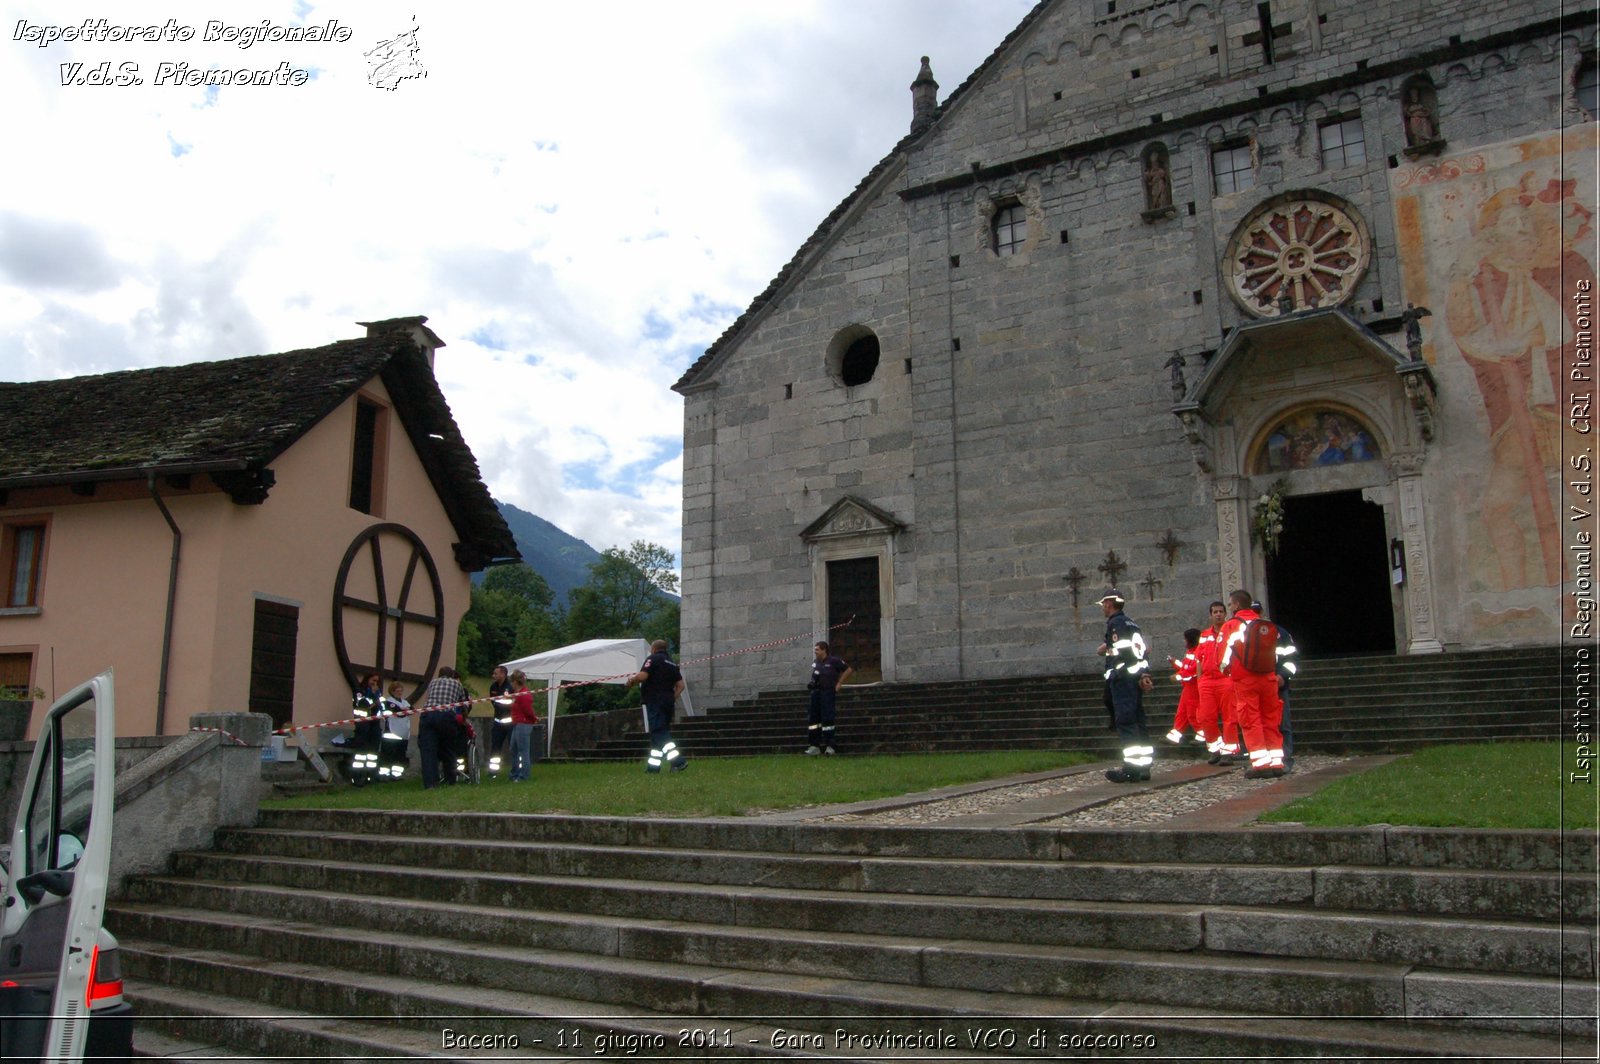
(1089, 734)
(751, 923)
(1374, 846)
(341, 1014)
(1364, 705)
(671, 919)
(1449, 891)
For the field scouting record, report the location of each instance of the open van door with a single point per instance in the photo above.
(55, 890)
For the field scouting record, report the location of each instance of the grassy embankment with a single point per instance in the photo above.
(1499, 785)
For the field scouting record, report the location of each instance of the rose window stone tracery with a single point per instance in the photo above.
(1308, 250)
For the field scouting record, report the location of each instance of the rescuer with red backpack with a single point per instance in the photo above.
(1250, 659)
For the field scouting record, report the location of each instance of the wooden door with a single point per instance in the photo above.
(272, 659)
(853, 593)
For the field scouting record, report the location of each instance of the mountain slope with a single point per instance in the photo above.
(563, 560)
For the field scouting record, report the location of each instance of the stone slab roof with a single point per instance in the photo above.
(231, 419)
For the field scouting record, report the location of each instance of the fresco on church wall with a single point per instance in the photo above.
(1309, 439)
(1496, 242)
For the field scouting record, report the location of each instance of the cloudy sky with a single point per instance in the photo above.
(580, 197)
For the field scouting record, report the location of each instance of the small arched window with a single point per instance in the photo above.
(1586, 86)
(1010, 229)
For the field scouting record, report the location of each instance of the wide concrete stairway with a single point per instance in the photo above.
(1360, 705)
(341, 934)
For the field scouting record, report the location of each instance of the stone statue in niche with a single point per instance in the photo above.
(1179, 387)
(1157, 181)
(1421, 115)
(1421, 128)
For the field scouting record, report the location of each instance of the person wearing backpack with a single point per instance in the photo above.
(1250, 658)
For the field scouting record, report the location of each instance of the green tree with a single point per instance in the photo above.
(629, 593)
(523, 581)
(512, 614)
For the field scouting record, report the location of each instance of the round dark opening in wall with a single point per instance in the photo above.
(860, 361)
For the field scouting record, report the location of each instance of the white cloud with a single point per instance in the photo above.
(580, 199)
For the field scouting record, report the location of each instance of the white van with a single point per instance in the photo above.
(58, 965)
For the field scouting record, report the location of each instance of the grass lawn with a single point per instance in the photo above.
(1491, 785)
(1482, 785)
(721, 786)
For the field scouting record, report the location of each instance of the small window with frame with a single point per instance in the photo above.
(1233, 167)
(23, 548)
(1343, 142)
(368, 454)
(16, 677)
(1010, 228)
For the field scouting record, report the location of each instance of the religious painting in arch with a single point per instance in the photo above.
(1313, 437)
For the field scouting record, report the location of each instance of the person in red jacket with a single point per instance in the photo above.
(1186, 671)
(1215, 708)
(1255, 694)
(523, 722)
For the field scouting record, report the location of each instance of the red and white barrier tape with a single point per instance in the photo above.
(226, 734)
(467, 705)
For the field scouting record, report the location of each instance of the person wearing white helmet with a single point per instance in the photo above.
(1127, 673)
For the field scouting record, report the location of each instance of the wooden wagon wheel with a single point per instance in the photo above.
(394, 606)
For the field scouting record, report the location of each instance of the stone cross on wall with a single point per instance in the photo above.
(1075, 580)
(1169, 548)
(1113, 567)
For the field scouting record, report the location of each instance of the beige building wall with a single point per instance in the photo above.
(102, 596)
(104, 591)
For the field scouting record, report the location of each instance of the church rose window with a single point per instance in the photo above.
(1309, 250)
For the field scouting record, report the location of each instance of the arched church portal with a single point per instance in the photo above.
(1320, 502)
(1327, 565)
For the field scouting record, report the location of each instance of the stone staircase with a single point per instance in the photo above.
(343, 934)
(1354, 705)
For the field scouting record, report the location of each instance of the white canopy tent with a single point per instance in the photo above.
(593, 660)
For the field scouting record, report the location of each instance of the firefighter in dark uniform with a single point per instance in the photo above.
(1287, 667)
(662, 683)
(1127, 679)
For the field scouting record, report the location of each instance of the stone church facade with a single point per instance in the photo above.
(1177, 297)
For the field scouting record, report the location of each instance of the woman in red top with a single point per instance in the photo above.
(523, 720)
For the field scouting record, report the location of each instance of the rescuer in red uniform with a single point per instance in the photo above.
(1215, 708)
(1186, 671)
(1255, 692)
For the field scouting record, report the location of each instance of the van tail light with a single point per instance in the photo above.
(105, 976)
